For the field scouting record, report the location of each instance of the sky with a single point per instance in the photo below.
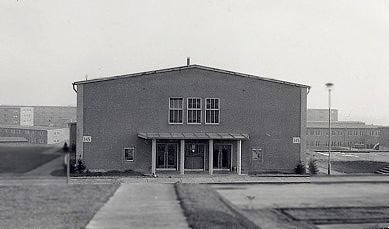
(45, 45)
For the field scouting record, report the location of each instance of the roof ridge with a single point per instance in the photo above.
(189, 67)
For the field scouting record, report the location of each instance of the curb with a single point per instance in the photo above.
(258, 182)
(242, 216)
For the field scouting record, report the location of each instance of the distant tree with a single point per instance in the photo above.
(65, 147)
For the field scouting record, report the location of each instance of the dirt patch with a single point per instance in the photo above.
(358, 166)
(51, 206)
(203, 208)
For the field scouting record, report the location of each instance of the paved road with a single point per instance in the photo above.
(141, 205)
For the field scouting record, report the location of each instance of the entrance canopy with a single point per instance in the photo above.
(224, 136)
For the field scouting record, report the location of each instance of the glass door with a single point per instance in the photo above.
(222, 156)
(194, 156)
(167, 155)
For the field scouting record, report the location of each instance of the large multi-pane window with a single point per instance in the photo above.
(212, 111)
(175, 110)
(194, 111)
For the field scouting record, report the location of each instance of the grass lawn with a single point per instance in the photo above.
(204, 209)
(23, 158)
(358, 166)
(51, 206)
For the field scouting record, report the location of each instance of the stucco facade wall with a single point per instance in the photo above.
(113, 112)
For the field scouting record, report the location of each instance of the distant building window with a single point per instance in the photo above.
(194, 110)
(129, 154)
(312, 132)
(175, 110)
(212, 111)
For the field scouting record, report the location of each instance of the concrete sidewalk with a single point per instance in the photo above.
(141, 205)
(245, 179)
(216, 179)
(47, 168)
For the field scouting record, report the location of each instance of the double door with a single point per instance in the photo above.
(222, 156)
(194, 156)
(167, 155)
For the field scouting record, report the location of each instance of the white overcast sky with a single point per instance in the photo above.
(46, 45)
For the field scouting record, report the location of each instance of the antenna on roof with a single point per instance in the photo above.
(86, 77)
(187, 61)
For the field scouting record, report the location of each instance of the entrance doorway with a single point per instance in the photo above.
(222, 157)
(194, 156)
(167, 156)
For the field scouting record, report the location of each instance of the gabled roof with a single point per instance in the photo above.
(193, 66)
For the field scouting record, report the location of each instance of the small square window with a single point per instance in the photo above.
(257, 155)
(129, 154)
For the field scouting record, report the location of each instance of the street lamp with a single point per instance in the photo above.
(329, 87)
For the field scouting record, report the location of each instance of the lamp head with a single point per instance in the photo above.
(329, 85)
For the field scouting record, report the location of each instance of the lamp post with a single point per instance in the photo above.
(329, 87)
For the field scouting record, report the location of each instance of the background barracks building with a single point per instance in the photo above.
(191, 118)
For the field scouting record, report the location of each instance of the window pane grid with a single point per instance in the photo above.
(175, 110)
(194, 110)
(212, 111)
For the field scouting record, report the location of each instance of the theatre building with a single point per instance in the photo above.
(191, 118)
